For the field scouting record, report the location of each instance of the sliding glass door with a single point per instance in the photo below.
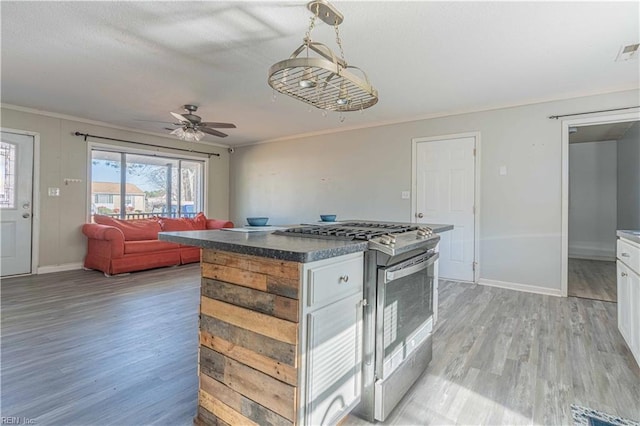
(135, 186)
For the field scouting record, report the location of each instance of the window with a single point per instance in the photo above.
(136, 186)
(7, 175)
(104, 198)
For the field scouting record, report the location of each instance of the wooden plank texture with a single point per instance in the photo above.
(263, 345)
(223, 411)
(255, 385)
(268, 275)
(263, 265)
(67, 359)
(242, 404)
(276, 328)
(259, 301)
(273, 368)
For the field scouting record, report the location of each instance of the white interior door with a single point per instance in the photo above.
(16, 200)
(445, 193)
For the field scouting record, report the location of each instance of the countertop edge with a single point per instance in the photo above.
(273, 253)
(631, 235)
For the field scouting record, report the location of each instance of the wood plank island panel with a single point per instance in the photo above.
(248, 363)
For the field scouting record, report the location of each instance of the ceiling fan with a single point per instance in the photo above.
(192, 128)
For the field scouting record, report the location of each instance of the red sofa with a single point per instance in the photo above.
(120, 246)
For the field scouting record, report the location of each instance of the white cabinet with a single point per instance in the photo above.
(629, 294)
(332, 339)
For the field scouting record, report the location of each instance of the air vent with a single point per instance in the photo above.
(628, 52)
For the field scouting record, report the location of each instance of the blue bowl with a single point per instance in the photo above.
(257, 221)
(328, 217)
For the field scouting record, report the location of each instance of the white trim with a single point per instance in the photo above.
(520, 287)
(593, 257)
(60, 268)
(35, 195)
(564, 226)
(100, 123)
(414, 184)
(421, 117)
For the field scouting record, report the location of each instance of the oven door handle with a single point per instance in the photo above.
(403, 272)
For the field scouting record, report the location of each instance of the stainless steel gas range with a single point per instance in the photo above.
(400, 290)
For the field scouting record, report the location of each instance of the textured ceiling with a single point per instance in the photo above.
(124, 62)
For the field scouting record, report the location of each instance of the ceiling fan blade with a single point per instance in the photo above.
(154, 121)
(180, 117)
(212, 132)
(218, 125)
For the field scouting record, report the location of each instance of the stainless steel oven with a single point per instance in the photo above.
(404, 321)
(400, 284)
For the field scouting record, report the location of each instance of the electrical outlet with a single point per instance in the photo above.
(54, 192)
(503, 170)
(406, 195)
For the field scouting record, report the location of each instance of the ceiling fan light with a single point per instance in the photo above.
(179, 132)
(198, 135)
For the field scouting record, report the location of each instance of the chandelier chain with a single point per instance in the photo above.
(339, 41)
(312, 24)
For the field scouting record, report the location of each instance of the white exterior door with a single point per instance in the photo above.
(445, 193)
(16, 200)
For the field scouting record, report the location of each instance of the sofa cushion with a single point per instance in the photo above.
(149, 246)
(133, 230)
(199, 222)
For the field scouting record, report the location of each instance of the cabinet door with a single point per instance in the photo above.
(634, 313)
(334, 360)
(624, 302)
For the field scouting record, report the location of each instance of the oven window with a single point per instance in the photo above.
(408, 305)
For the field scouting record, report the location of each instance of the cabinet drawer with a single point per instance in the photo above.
(629, 254)
(334, 281)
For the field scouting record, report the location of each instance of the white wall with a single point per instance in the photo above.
(62, 155)
(361, 174)
(629, 179)
(593, 200)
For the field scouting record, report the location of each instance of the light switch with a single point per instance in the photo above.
(503, 170)
(406, 195)
(54, 192)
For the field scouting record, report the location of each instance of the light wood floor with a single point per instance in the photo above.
(82, 349)
(592, 279)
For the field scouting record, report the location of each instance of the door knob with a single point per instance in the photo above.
(419, 215)
(26, 215)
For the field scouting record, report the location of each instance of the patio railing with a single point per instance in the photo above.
(131, 216)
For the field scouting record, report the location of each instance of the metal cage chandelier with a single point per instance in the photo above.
(324, 81)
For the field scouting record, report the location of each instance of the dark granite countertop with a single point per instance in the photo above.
(266, 244)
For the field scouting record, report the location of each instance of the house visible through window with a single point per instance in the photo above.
(136, 186)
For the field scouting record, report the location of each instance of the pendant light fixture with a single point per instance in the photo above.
(323, 79)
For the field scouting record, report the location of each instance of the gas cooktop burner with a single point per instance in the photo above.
(349, 230)
(386, 237)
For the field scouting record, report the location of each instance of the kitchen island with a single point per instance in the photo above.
(280, 327)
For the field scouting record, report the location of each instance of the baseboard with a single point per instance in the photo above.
(592, 252)
(586, 257)
(521, 287)
(59, 268)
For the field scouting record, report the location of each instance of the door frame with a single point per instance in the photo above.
(35, 194)
(564, 226)
(476, 189)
